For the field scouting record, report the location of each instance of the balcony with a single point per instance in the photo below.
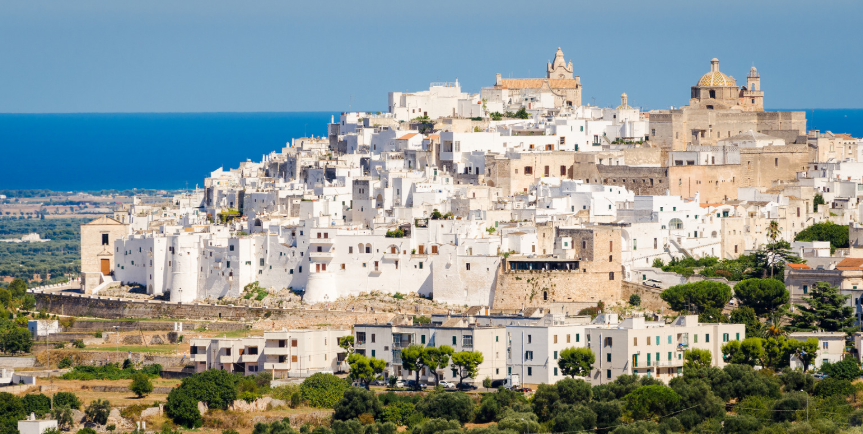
(321, 255)
(326, 241)
(269, 366)
(226, 359)
(277, 351)
(198, 357)
(250, 358)
(391, 256)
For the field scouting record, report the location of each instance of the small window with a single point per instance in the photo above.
(105, 241)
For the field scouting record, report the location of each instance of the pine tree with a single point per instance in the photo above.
(825, 310)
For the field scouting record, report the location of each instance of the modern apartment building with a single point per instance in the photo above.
(286, 353)
(385, 341)
(653, 348)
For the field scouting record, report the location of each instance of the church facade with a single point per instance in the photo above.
(560, 88)
(719, 109)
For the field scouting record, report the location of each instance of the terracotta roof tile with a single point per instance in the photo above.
(850, 264)
(798, 266)
(536, 83)
(406, 136)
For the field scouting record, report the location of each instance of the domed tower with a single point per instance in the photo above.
(752, 97)
(715, 90)
(559, 68)
(623, 102)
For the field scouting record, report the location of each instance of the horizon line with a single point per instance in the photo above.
(328, 111)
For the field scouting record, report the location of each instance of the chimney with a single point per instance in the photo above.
(498, 81)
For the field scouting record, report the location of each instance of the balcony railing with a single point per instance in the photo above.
(275, 365)
(322, 241)
(277, 351)
(321, 255)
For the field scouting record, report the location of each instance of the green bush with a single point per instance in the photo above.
(67, 398)
(64, 363)
(182, 408)
(214, 387)
(323, 390)
(635, 300)
(141, 385)
(110, 372)
(37, 403)
(834, 387)
(355, 402)
(86, 430)
(452, 406)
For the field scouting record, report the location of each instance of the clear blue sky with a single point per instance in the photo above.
(213, 55)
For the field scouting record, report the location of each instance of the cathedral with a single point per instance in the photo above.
(719, 109)
(560, 88)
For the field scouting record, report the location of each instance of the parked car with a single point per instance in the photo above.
(446, 384)
(820, 376)
(523, 389)
(379, 383)
(400, 384)
(414, 385)
(465, 386)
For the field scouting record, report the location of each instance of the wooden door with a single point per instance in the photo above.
(106, 266)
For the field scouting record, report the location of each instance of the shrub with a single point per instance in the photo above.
(111, 427)
(86, 430)
(452, 406)
(36, 403)
(356, 401)
(214, 387)
(64, 363)
(67, 398)
(182, 408)
(323, 390)
(635, 300)
(79, 343)
(366, 419)
(834, 387)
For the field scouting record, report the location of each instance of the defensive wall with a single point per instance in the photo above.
(117, 308)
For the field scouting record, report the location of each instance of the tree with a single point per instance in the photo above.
(522, 113)
(17, 288)
(651, 401)
(28, 302)
(845, 369)
(486, 382)
(347, 343)
(365, 369)
(837, 235)
(572, 391)
(141, 384)
(764, 296)
(182, 408)
(97, 412)
(773, 257)
(825, 310)
(817, 200)
(635, 300)
(749, 352)
(701, 295)
(36, 403)
(805, 351)
(323, 390)
(356, 401)
(795, 379)
(63, 415)
(746, 315)
(452, 406)
(437, 358)
(67, 398)
(467, 363)
(697, 358)
(777, 352)
(16, 340)
(576, 361)
(412, 360)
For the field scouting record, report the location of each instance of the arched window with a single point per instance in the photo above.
(713, 234)
(675, 224)
(368, 248)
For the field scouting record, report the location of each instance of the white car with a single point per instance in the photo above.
(400, 384)
(447, 385)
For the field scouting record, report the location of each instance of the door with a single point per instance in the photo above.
(106, 266)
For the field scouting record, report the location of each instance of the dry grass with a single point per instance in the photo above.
(85, 393)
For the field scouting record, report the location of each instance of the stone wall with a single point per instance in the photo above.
(114, 308)
(650, 298)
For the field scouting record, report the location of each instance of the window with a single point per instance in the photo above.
(105, 241)
(648, 340)
(824, 345)
(608, 373)
(361, 338)
(669, 356)
(231, 247)
(373, 338)
(634, 342)
(738, 337)
(725, 337)
(294, 359)
(608, 357)
(453, 340)
(562, 170)
(555, 338)
(528, 170)
(706, 338)
(350, 249)
(497, 338)
(611, 275)
(555, 355)
(373, 351)
(528, 355)
(529, 371)
(555, 372)
(608, 341)
(467, 266)
(657, 340)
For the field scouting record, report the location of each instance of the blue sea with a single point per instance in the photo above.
(65, 152)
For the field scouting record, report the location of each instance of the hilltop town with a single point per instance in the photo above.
(512, 238)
